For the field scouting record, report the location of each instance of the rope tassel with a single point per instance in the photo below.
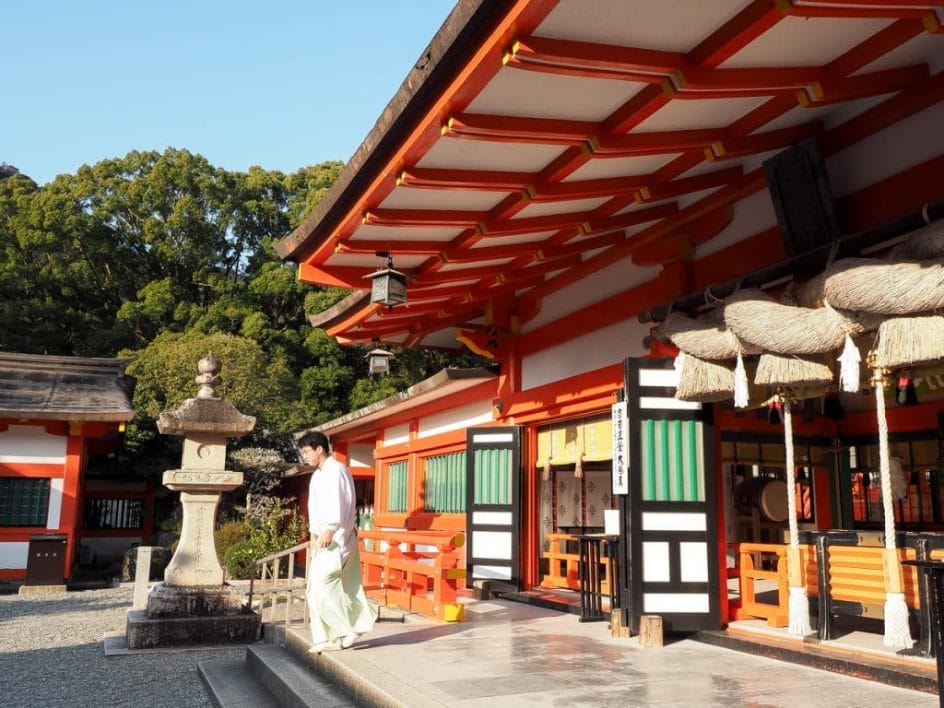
(741, 395)
(849, 366)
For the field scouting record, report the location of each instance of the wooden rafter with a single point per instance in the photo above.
(663, 77)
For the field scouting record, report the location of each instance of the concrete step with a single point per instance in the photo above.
(269, 677)
(292, 682)
(230, 685)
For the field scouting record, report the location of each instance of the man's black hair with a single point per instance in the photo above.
(314, 439)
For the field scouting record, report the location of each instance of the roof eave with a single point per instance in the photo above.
(357, 301)
(439, 380)
(459, 34)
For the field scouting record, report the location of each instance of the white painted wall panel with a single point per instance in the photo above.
(494, 572)
(494, 518)
(751, 216)
(457, 418)
(671, 521)
(55, 503)
(907, 143)
(675, 602)
(32, 444)
(603, 347)
(396, 435)
(595, 288)
(693, 557)
(655, 562)
(492, 544)
(13, 554)
(361, 454)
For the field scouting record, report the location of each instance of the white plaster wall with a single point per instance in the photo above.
(907, 143)
(603, 347)
(361, 454)
(31, 443)
(597, 287)
(55, 503)
(13, 554)
(457, 418)
(396, 435)
(751, 216)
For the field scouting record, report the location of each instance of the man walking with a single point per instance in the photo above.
(336, 600)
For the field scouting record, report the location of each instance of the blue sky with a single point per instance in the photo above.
(280, 84)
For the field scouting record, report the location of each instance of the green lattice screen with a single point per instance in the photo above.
(493, 476)
(396, 486)
(672, 465)
(445, 483)
(23, 502)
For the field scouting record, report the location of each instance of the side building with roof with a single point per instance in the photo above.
(58, 414)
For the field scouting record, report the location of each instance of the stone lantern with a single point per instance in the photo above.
(193, 605)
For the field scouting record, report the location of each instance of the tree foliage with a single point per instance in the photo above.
(163, 257)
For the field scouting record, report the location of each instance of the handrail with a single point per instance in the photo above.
(418, 571)
(272, 591)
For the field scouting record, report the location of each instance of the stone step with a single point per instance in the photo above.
(269, 677)
(291, 681)
(230, 685)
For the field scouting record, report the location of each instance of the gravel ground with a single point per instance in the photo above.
(51, 655)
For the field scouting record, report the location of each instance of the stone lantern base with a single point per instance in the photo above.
(178, 616)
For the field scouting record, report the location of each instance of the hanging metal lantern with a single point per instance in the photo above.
(378, 361)
(389, 285)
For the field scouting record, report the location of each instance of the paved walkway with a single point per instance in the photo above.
(512, 654)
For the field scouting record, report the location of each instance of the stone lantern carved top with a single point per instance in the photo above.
(209, 368)
(206, 414)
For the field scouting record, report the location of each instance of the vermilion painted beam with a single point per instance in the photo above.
(735, 34)
(876, 46)
(764, 142)
(429, 248)
(424, 217)
(593, 60)
(519, 129)
(579, 246)
(904, 4)
(586, 188)
(681, 244)
(747, 81)
(484, 253)
(636, 110)
(480, 68)
(474, 180)
(639, 216)
(334, 276)
(863, 13)
(655, 143)
(917, 98)
(689, 185)
(875, 83)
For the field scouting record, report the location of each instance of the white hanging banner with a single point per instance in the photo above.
(620, 449)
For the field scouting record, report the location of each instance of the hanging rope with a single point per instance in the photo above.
(791, 472)
(897, 629)
(884, 469)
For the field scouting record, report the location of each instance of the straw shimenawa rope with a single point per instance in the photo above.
(884, 288)
(705, 337)
(923, 244)
(779, 328)
(705, 342)
(703, 381)
(754, 317)
(909, 341)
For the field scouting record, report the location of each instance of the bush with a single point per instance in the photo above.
(240, 543)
